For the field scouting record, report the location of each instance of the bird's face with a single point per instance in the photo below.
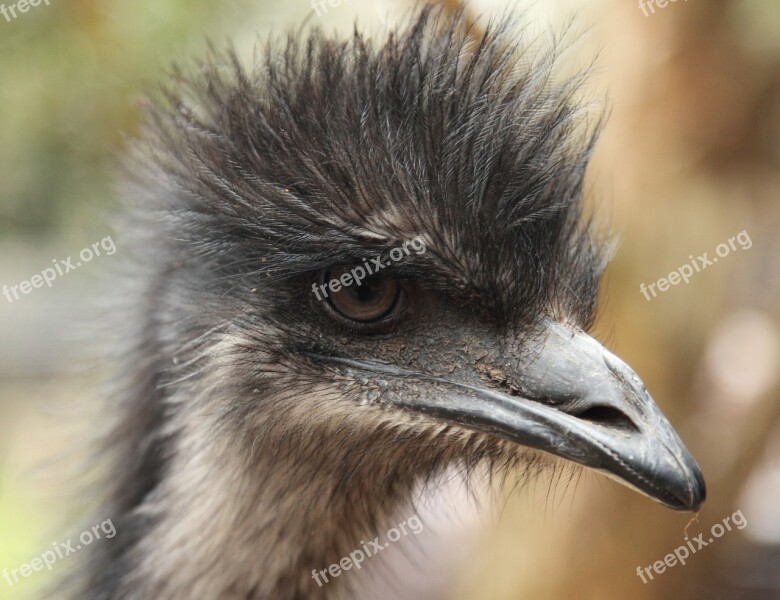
(407, 348)
(546, 384)
(331, 157)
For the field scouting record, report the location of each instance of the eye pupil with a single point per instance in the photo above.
(371, 300)
(364, 292)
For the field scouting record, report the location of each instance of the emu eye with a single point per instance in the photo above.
(373, 299)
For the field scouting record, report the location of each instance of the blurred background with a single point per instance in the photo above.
(690, 158)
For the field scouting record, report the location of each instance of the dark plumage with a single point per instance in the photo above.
(252, 444)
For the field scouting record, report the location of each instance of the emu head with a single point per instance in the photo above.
(272, 412)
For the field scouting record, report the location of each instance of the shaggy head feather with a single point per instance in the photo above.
(238, 463)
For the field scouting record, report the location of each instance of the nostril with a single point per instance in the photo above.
(607, 416)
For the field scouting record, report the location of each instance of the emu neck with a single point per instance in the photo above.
(236, 521)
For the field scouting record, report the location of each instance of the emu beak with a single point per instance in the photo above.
(575, 400)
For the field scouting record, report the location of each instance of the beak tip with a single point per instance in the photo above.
(690, 496)
(698, 491)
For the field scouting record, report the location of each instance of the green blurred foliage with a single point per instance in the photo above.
(71, 75)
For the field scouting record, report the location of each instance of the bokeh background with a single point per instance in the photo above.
(689, 158)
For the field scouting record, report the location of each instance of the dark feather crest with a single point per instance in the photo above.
(328, 152)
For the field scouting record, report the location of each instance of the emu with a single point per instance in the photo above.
(261, 430)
